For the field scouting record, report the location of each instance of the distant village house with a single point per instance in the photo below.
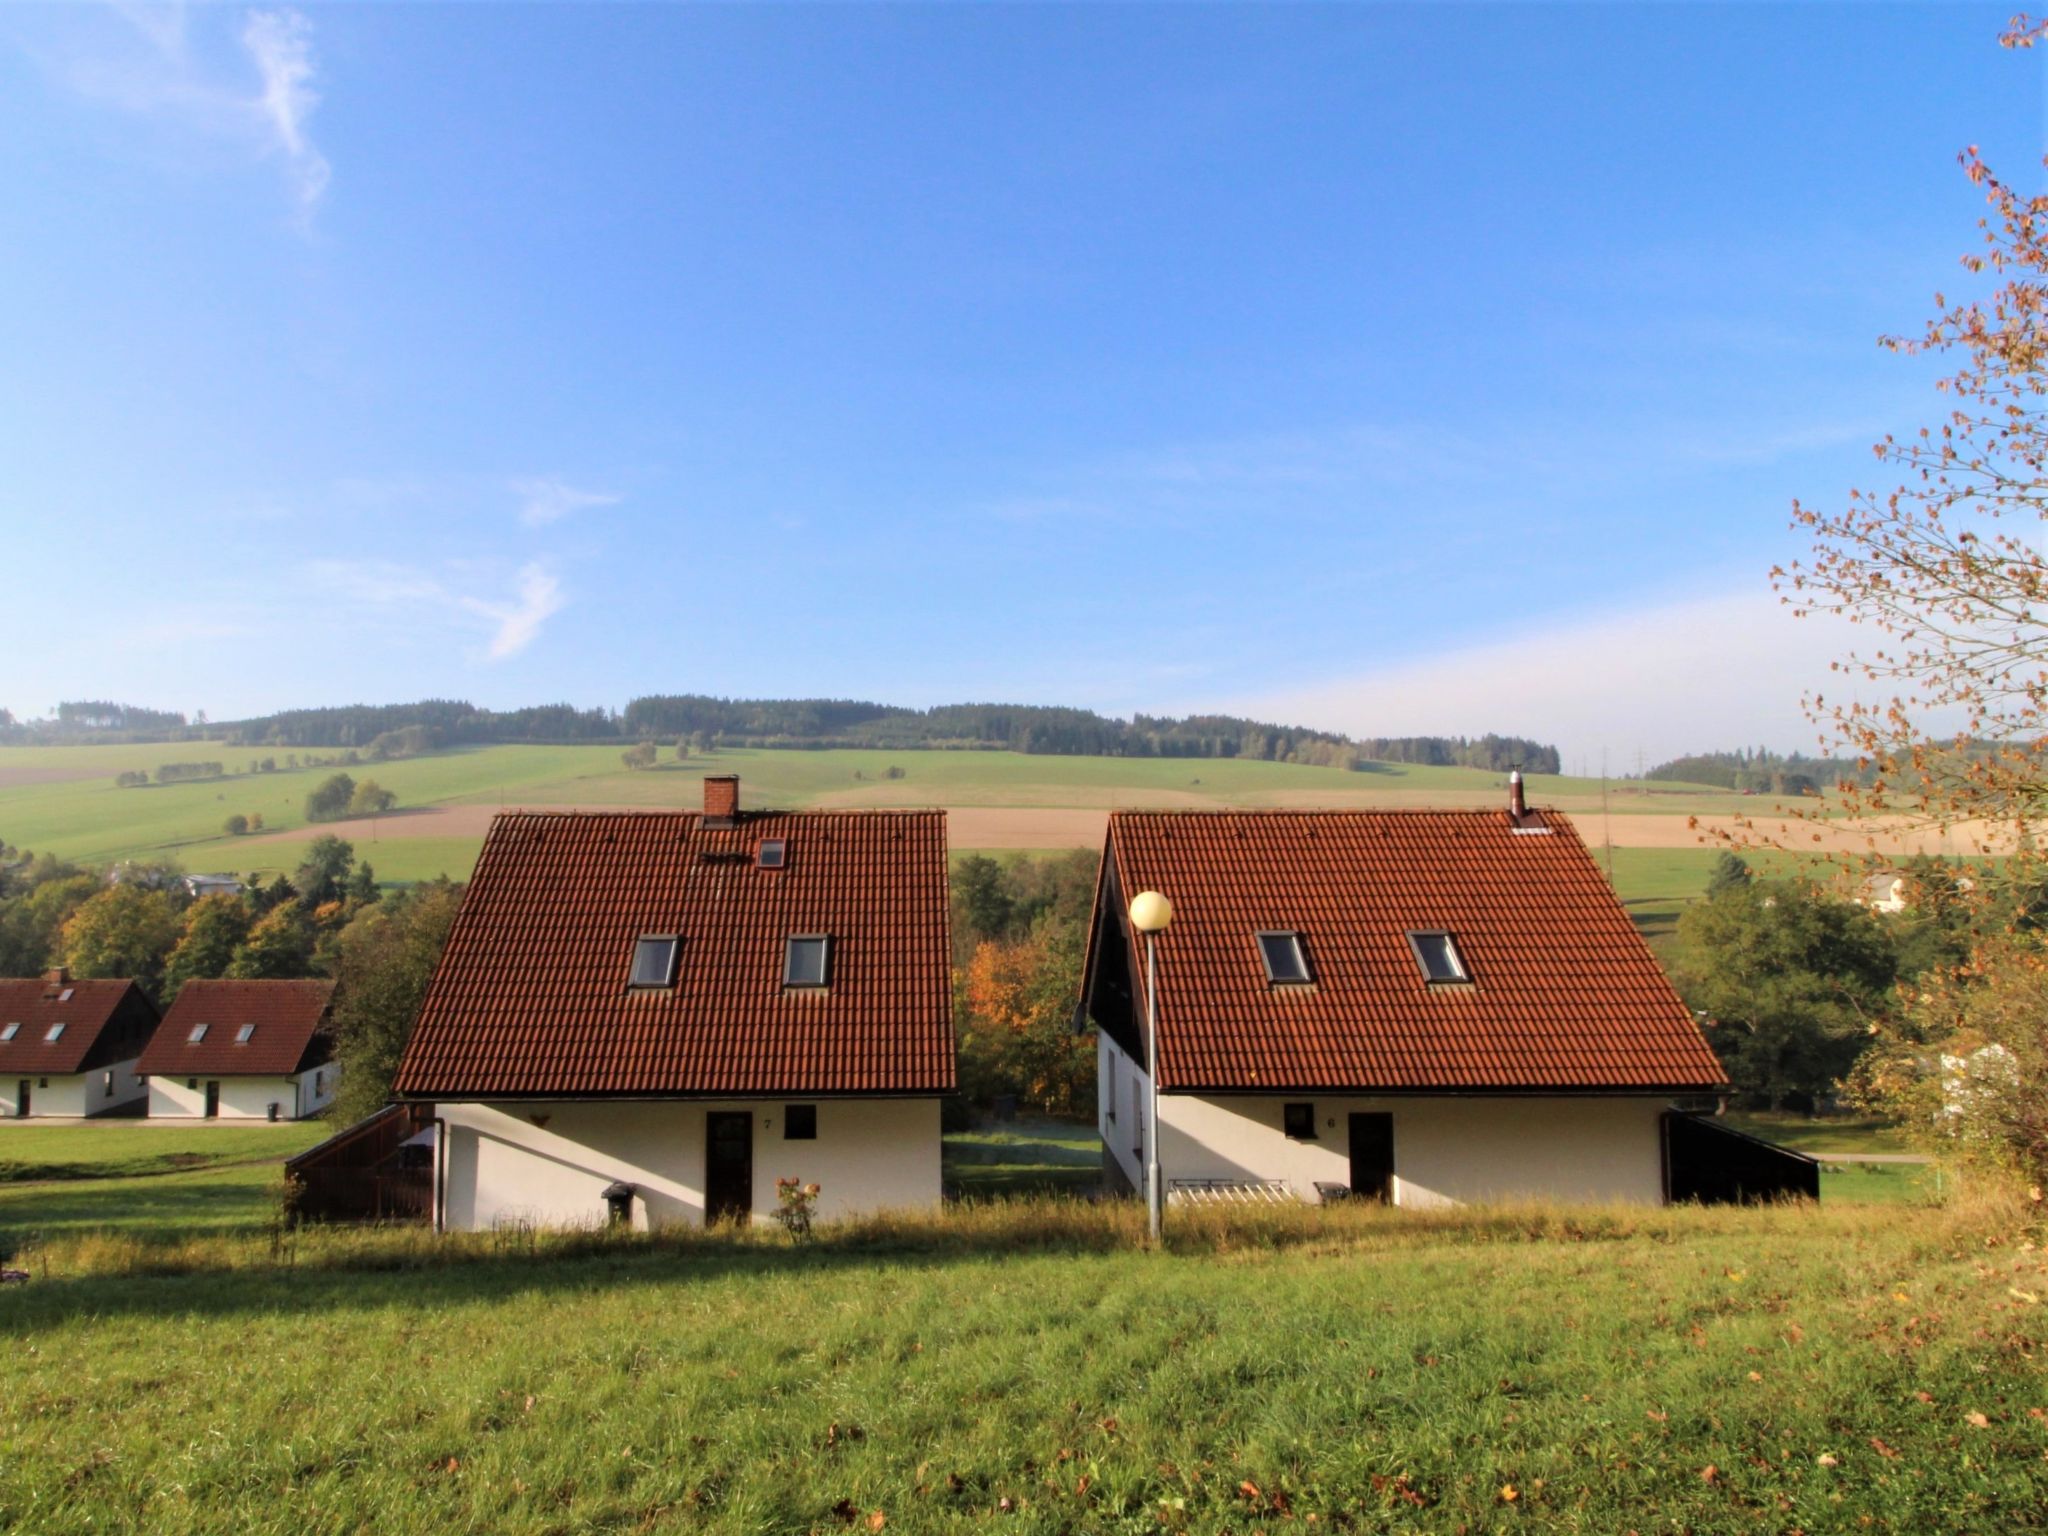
(70, 1048)
(243, 1050)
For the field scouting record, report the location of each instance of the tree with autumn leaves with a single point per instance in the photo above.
(1020, 929)
(1947, 573)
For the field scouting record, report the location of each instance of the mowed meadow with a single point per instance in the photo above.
(64, 800)
(1026, 1362)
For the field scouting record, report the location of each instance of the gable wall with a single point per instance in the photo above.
(502, 1168)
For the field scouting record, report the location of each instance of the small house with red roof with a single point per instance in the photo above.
(654, 1016)
(69, 1048)
(243, 1050)
(1420, 1007)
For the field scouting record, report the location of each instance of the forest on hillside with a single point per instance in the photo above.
(704, 721)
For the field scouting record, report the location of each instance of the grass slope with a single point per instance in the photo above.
(118, 1148)
(1035, 1371)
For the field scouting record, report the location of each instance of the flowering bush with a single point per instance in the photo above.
(795, 1203)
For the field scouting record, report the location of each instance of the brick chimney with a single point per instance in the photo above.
(1518, 809)
(58, 976)
(721, 799)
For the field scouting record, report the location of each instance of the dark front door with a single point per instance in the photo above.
(728, 1166)
(213, 1101)
(21, 1100)
(1372, 1157)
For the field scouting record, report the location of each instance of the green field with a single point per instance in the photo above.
(63, 799)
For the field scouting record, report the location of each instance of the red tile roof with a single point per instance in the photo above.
(290, 1030)
(1564, 993)
(104, 1022)
(530, 997)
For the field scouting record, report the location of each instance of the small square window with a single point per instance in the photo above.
(808, 960)
(55, 1032)
(245, 1034)
(191, 1082)
(65, 995)
(1299, 1121)
(772, 854)
(799, 1122)
(1438, 956)
(9, 1033)
(654, 961)
(198, 1034)
(1286, 964)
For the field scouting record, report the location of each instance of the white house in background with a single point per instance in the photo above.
(654, 1016)
(243, 1050)
(197, 886)
(1422, 1007)
(70, 1047)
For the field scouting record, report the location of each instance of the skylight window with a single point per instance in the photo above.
(55, 1032)
(9, 1033)
(772, 854)
(808, 960)
(654, 961)
(245, 1034)
(1286, 964)
(1438, 956)
(198, 1033)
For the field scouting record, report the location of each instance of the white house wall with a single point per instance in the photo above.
(244, 1098)
(1121, 1107)
(547, 1164)
(1447, 1150)
(76, 1094)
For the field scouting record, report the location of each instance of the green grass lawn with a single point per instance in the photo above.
(1023, 1157)
(1032, 1369)
(117, 1148)
(160, 1209)
(1817, 1136)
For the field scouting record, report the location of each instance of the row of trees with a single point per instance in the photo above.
(327, 918)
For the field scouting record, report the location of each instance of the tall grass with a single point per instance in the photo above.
(1049, 1224)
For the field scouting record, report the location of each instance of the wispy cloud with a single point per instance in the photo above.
(508, 624)
(162, 68)
(544, 501)
(281, 44)
(539, 599)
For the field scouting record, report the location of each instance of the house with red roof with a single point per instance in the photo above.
(243, 1050)
(1420, 1007)
(654, 1016)
(70, 1048)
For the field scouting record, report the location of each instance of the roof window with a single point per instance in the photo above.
(198, 1033)
(1438, 956)
(773, 853)
(1286, 964)
(9, 1033)
(244, 1034)
(654, 961)
(807, 962)
(55, 1032)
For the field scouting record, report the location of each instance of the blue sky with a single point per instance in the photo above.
(1433, 368)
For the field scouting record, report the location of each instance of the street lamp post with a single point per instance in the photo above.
(1150, 913)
